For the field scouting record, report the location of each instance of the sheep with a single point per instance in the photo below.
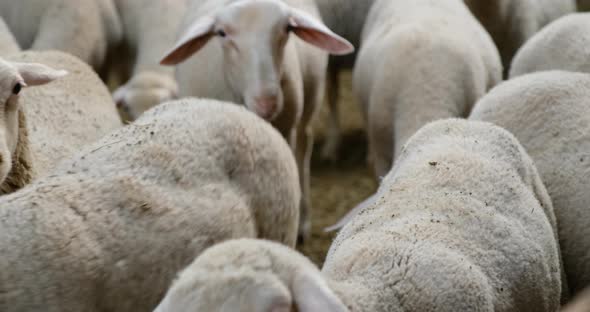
(150, 29)
(8, 44)
(85, 28)
(250, 276)
(43, 125)
(461, 223)
(580, 304)
(561, 45)
(122, 216)
(246, 55)
(512, 22)
(346, 18)
(549, 113)
(420, 61)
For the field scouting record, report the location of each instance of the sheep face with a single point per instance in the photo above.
(227, 291)
(13, 78)
(11, 84)
(143, 92)
(254, 36)
(251, 276)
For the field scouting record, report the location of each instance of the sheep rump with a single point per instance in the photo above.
(108, 229)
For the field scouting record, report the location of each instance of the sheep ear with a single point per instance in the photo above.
(311, 293)
(195, 38)
(119, 95)
(316, 33)
(34, 74)
(352, 213)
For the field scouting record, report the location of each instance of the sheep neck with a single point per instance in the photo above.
(21, 172)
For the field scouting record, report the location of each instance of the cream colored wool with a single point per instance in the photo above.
(461, 223)
(562, 45)
(8, 44)
(84, 28)
(45, 124)
(420, 60)
(109, 229)
(549, 113)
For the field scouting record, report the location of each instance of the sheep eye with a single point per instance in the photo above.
(290, 28)
(17, 88)
(221, 33)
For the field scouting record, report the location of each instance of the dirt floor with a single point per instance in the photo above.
(336, 188)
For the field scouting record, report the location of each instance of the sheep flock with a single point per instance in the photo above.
(294, 155)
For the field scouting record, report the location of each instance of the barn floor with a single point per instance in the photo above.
(336, 188)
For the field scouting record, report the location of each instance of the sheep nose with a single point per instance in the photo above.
(266, 106)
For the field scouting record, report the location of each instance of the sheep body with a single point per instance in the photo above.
(420, 61)
(561, 45)
(512, 22)
(260, 54)
(150, 29)
(85, 28)
(549, 113)
(108, 230)
(58, 119)
(461, 223)
(8, 44)
(458, 186)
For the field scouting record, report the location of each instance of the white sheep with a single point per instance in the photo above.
(562, 45)
(549, 113)
(109, 229)
(8, 44)
(346, 18)
(85, 28)
(462, 223)
(150, 29)
(420, 60)
(45, 124)
(512, 22)
(244, 52)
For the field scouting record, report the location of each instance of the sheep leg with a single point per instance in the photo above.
(334, 133)
(303, 150)
(380, 134)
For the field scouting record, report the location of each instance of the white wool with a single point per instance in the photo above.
(461, 223)
(87, 29)
(8, 44)
(420, 61)
(109, 228)
(549, 113)
(562, 45)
